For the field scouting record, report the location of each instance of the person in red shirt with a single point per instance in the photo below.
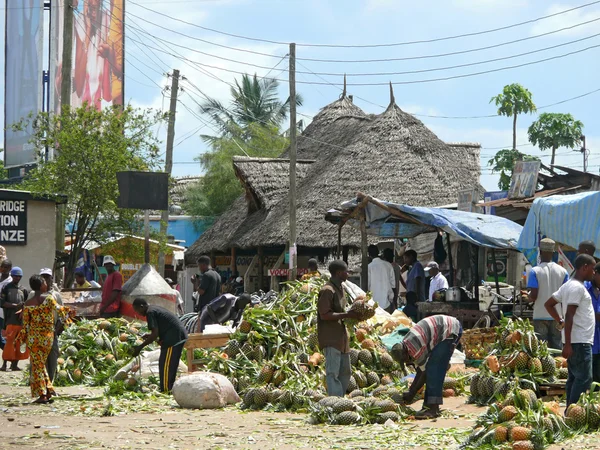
(111, 290)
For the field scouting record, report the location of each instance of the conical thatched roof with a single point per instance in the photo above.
(392, 156)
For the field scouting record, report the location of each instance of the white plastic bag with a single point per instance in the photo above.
(145, 365)
(204, 390)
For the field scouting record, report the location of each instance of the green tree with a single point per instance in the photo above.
(554, 130)
(91, 147)
(3, 172)
(219, 186)
(253, 101)
(514, 100)
(504, 163)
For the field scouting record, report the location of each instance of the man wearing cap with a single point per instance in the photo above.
(428, 346)
(111, 290)
(438, 281)
(173, 286)
(12, 300)
(544, 280)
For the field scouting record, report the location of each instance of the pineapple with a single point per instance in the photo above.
(397, 397)
(274, 396)
(245, 327)
(593, 417)
(386, 405)
(448, 393)
(387, 362)
(521, 361)
(356, 393)
(515, 337)
(563, 373)
(343, 404)
(368, 344)
(502, 388)
(361, 379)
(286, 399)
(366, 357)
(501, 434)
(278, 378)
(354, 356)
(233, 348)
(531, 343)
(386, 379)
(523, 445)
(520, 434)
(450, 383)
(265, 375)
(576, 417)
(247, 349)
(388, 415)
(492, 363)
(474, 385)
(313, 341)
(535, 365)
(392, 391)
(372, 379)
(259, 353)
(261, 397)
(243, 384)
(486, 386)
(532, 396)
(379, 391)
(507, 413)
(346, 418)
(352, 384)
(303, 358)
(249, 398)
(361, 334)
(548, 365)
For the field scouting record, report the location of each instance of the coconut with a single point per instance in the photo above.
(109, 358)
(105, 324)
(77, 374)
(124, 337)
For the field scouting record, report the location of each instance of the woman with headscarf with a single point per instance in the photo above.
(38, 334)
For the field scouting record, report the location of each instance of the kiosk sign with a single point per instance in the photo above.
(13, 222)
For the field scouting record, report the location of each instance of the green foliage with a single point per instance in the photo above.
(514, 100)
(91, 147)
(554, 130)
(220, 187)
(3, 172)
(504, 163)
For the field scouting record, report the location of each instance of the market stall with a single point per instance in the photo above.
(392, 221)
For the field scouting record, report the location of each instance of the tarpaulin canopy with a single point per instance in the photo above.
(394, 220)
(567, 219)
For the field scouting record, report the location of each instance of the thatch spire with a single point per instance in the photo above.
(392, 98)
(344, 91)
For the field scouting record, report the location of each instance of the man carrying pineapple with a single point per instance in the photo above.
(331, 330)
(428, 346)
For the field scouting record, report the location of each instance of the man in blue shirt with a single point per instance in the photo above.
(415, 280)
(593, 288)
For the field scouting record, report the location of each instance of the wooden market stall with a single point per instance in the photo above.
(388, 220)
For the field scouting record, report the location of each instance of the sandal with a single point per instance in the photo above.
(42, 400)
(426, 414)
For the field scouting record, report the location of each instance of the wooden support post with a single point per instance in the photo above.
(495, 271)
(345, 251)
(261, 268)
(233, 264)
(339, 246)
(364, 246)
(477, 276)
(213, 259)
(450, 261)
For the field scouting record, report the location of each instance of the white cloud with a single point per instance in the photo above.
(419, 110)
(567, 20)
(487, 6)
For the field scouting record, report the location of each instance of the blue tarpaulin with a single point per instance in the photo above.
(567, 219)
(479, 229)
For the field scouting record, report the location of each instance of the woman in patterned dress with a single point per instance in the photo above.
(38, 334)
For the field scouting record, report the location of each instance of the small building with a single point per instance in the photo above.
(28, 229)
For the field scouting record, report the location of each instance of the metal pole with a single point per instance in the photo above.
(293, 150)
(164, 217)
(364, 245)
(495, 271)
(450, 261)
(147, 237)
(584, 152)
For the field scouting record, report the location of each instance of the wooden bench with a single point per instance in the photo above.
(200, 340)
(551, 390)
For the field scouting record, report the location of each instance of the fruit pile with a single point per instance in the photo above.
(92, 351)
(517, 359)
(520, 422)
(477, 343)
(275, 349)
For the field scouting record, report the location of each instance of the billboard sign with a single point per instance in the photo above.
(98, 43)
(524, 179)
(468, 200)
(22, 76)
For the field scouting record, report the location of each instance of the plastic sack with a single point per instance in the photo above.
(145, 365)
(204, 390)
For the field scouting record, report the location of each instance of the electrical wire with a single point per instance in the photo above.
(396, 44)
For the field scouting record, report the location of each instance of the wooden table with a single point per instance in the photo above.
(551, 390)
(200, 340)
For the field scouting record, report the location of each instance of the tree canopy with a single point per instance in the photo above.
(504, 163)
(514, 100)
(90, 148)
(554, 130)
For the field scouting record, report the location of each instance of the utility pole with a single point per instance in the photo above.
(164, 218)
(585, 154)
(293, 149)
(65, 99)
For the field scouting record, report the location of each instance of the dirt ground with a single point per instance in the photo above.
(76, 421)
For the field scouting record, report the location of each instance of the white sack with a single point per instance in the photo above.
(148, 365)
(204, 390)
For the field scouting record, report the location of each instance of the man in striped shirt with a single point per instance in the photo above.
(428, 346)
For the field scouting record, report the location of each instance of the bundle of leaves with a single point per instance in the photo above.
(276, 347)
(520, 421)
(92, 351)
(517, 358)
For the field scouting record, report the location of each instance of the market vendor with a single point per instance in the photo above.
(428, 346)
(313, 270)
(166, 327)
(223, 309)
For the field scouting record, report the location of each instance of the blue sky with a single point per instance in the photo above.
(373, 22)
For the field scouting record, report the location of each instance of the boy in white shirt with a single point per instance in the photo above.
(578, 321)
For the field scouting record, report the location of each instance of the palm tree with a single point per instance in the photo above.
(253, 100)
(514, 100)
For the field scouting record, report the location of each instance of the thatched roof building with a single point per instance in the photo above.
(391, 155)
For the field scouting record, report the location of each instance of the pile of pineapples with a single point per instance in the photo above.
(273, 360)
(520, 421)
(518, 359)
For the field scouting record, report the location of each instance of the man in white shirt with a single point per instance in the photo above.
(542, 282)
(173, 284)
(437, 282)
(579, 322)
(382, 280)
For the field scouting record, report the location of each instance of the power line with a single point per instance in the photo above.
(396, 44)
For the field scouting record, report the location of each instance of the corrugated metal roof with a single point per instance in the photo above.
(527, 202)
